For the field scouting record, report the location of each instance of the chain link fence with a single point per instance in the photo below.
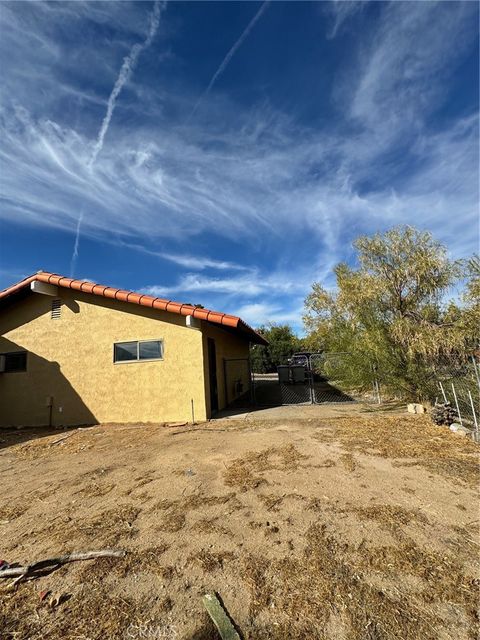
(335, 378)
(318, 378)
(315, 378)
(458, 380)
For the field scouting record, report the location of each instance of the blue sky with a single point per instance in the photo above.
(228, 153)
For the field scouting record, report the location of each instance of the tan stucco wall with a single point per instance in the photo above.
(71, 359)
(228, 346)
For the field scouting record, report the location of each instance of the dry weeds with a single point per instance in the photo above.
(210, 525)
(244, 472)
(95, 490)
(411, 438)
(348, 461)
(326, 583)
(108, 527)
(391, 517)
(11, 511)
(324, 588)
(210, 562)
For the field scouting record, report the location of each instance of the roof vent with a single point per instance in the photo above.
(56, 309)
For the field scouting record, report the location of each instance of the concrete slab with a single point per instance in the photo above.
(299, 411)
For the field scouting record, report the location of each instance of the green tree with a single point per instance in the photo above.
(282, 342)
(390, 313)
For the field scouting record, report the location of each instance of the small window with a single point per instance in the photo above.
(151, 350)
(125, 351)
(13, 362)
(141, 350)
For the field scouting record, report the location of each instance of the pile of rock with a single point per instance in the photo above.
(444, 414)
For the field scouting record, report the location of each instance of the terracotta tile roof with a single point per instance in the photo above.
(122, 295)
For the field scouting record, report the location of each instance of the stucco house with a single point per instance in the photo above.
(73, 353)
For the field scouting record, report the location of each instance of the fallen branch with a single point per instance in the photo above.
(69, 435)
(72, 433)
(177, 433)
(42, 567)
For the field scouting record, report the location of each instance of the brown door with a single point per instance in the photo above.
(212, 374)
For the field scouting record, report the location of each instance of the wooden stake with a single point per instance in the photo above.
(220, 617)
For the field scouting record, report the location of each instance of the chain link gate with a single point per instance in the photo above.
(313, 378)
(290, 385)
(328, 378)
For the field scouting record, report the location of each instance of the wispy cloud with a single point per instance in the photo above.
(281, 191)
(126, 70)
(281, 295)
(259, 313)
(225, 62)
(198, 263)
(76, 246)
(341, 11)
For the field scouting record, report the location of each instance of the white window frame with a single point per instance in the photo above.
(138, 359)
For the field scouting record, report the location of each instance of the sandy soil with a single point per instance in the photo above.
(360, 527)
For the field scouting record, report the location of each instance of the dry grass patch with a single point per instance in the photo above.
(9, 512)
(348, 461)
(271, 501)
(412, 438)
(443, 575)
(309, 591)
(209, 526)
(172, 521)
(134, 561)
(244, 472)
(24, 617)
(210, 562)
(95, 490)
(391, 517)
(331, 581)
(108, 527)
(176, 511)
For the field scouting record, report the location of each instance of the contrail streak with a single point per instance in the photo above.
(129, 64)
(73, 262)
(230, 54)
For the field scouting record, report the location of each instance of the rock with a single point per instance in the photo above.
(415, 408)
(460, 430)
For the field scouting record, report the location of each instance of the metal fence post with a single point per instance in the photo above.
(443, 392)
(456, 404)
(474, 415)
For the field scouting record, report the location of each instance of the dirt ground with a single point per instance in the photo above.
(361, 527)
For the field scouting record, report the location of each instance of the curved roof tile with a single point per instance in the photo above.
(179, 308)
